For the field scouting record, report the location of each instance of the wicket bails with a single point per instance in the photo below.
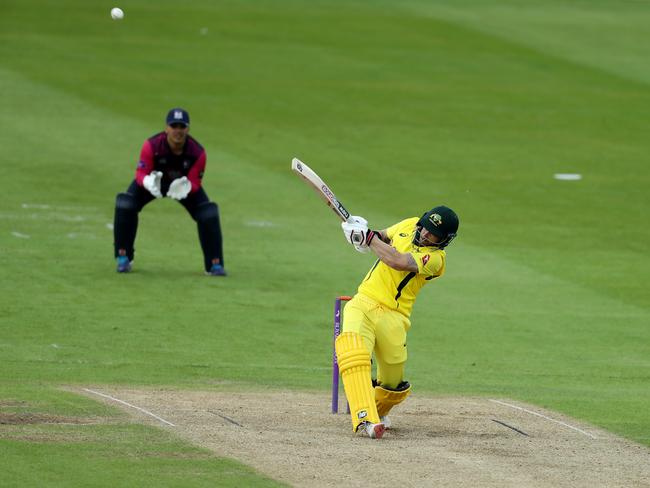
(335, 364)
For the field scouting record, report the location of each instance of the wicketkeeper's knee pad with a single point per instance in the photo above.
(126, 201)
(355, 368)
(207, 211)
(386, 398)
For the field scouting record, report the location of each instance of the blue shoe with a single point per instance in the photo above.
(217, 270)
(123, 264)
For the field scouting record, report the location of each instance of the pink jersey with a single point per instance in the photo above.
(156, 155)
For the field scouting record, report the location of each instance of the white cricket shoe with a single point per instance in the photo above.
(386, 421)
(374, 431)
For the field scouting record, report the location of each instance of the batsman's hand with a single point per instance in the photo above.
(179, 188)
(362, 248)
(357, 233)
(354, 225)
(152, 183)
(361, 240)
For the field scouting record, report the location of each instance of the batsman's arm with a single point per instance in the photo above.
(391, 256)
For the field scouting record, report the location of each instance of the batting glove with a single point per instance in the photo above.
(361, 239)
(354, 225)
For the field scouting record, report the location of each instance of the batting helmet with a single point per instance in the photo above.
(442, 222)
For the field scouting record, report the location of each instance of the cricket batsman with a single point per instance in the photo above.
(410, 255)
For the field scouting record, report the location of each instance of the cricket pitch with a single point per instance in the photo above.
(436, 441)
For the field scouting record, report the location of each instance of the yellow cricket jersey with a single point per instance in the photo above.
(397, 289)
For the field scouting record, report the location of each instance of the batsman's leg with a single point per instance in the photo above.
(355, 368)
(387, 398)
(391, 355)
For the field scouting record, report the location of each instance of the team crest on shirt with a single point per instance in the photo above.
(425, 259)
(435, 219)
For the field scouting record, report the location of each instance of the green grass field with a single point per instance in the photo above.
(399, 106)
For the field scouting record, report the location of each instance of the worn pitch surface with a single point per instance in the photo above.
(292, 437)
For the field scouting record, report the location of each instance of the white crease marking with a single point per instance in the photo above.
(129, 405)
(545, 417)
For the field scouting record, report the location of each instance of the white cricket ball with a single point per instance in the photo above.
(117, 13)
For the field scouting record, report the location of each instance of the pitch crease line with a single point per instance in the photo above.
(545, 417)
(129, 405)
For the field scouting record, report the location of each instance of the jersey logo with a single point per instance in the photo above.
(403, 235)
(435, 219)
(425, 259)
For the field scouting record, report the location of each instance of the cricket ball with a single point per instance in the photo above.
(117, 13)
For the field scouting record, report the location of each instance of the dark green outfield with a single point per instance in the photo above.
(399, 106)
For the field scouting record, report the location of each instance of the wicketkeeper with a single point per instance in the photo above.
(376, 320)
(171, 165)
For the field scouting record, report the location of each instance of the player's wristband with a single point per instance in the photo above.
(371, 235)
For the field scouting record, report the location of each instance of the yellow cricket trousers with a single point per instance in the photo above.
(384, 333)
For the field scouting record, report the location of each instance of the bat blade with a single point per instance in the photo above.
(319, 186)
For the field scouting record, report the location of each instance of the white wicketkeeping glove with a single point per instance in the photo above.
(179, 188)
(152, 183)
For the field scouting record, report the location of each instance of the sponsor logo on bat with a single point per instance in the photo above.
(328, 193)
(343, 211)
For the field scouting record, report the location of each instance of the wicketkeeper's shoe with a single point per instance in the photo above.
(386, 421)
(374, 431)
(123, 264)
(217, 270)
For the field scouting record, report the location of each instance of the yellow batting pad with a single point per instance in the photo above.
(354, 365)
(387, 399)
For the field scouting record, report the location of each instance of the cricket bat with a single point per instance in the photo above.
(319, 186)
